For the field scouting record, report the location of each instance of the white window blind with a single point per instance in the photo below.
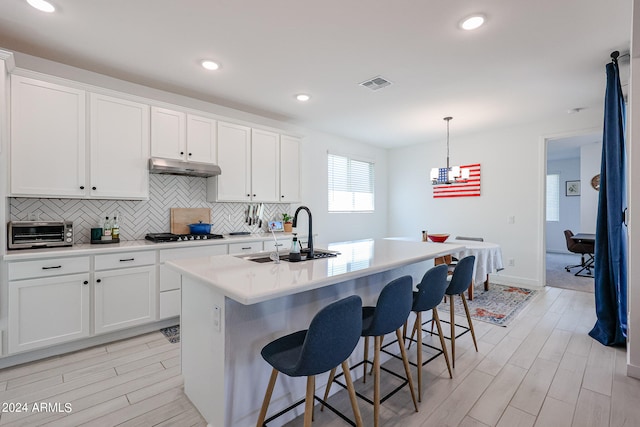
(350, 184)
(553, 197)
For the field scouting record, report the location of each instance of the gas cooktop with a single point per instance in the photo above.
(170, 237)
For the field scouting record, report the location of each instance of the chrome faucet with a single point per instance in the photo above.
(310, 239)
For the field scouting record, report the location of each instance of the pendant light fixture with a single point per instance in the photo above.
(450, 174)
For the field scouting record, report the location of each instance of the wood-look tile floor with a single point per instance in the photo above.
(542, 370)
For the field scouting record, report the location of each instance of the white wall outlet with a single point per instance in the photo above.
(512, 262)
(216, 318)
(511, 219)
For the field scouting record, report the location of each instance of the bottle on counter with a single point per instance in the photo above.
(294, 252)
(106, 230)
(115, 228)
(424, 236)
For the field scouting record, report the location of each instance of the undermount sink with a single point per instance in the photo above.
(262, 258)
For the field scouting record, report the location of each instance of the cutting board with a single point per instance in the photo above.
(182, 217)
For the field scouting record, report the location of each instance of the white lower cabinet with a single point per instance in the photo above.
(170, 279)
(244, 248)
(124, 298)
(47, 311)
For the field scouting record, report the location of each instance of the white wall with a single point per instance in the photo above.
(569, 170)
(333, 227)
(513, 180)
(590, 160)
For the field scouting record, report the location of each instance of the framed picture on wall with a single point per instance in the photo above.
(573, 188)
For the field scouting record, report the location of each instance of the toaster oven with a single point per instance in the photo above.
(39, 234)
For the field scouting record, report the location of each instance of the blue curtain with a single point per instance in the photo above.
(611, 231)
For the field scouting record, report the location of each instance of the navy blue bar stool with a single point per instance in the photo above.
(332, 335)
(389, 314)
(430, 293)
(460, 281)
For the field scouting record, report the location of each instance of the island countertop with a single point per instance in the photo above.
(249, 282)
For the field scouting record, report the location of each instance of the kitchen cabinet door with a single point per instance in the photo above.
(168, 133)
(48, 311)
(124, 298)
(289, 169)
(234, 144)
(119, 148)
(264, 166)
(47, 139)
(201, 139)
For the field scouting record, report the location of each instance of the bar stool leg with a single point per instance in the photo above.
(405, 360)
(452, 317)
(332, 376)
(366, 357)
(308, 401)
(466, 310)
(376, 380)
(436, 317)
(352, 394)
(418, 327)
(267, 398)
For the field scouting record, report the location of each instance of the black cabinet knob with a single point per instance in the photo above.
(93, 188)
(86, 282)
(99, 280)
(189, 153)
(82, 187)
(248, 195)
(282, 196)
(181, 153)
(254, 195)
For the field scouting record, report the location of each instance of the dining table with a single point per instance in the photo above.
(488, 260)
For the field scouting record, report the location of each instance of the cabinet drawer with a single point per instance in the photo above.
(169, 304)
(192, 252)
(48, 267)
(125, 259)
(283, 245)
(249, 247)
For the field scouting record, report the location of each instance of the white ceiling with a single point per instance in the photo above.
(533, 60)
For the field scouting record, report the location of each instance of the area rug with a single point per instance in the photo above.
(172, 333)
(498, 306)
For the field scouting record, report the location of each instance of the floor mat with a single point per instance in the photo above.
(498, 306)
(172, 333)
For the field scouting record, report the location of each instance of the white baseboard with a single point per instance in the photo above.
(633, 371)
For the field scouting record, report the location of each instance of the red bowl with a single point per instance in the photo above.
(438, 238)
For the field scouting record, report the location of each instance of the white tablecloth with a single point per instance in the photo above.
(488, 257)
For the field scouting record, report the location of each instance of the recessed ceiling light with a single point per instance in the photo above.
(42, 5)
(472, 22)
(210, 65)
(303, 97)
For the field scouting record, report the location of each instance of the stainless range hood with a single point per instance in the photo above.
(179, 167)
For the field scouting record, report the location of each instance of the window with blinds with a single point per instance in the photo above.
(553, 197)
(350, 184)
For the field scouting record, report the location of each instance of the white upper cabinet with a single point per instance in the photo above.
(49, 156)
(234, 148)
(168, 133)
(180, 136)
(265, 163)
(47, 139)
(201, 139)
(119, 148)
(289, 169)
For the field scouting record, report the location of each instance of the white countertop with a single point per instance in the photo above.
(250, 282)
(132, 245)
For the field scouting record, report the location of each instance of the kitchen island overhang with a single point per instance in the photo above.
(232, 307)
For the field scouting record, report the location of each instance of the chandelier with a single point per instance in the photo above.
(450, 174)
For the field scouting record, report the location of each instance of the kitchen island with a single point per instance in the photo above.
(232, 307)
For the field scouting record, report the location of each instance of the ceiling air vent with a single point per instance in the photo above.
(376, 83)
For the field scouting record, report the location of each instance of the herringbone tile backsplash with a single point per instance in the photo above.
(139, 217)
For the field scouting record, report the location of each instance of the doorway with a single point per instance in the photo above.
(571, 203)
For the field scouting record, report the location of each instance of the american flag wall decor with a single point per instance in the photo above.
(470, 188)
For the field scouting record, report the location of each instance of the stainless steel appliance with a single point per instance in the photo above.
(39, 234)
(170, 237)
